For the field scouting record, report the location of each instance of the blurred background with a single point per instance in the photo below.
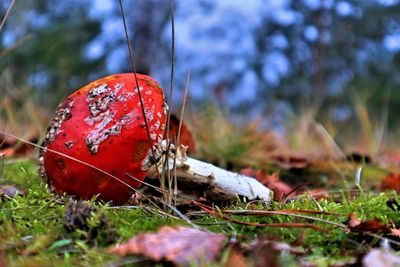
(335, 61)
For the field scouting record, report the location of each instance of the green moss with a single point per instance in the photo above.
(32, 232)
(31, 226)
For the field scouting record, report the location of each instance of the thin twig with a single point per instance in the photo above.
(15, 45)
(185, 95)
(228, 218)
(6, 15)
(145, 183)
(172, 68)
(170, 95)
(262, 212)
(180, 214)
(133, 65)
(177, 142)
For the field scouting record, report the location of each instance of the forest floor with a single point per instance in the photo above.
(326, 212)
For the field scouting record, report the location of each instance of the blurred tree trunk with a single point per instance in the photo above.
(149, 19)
(322, 22)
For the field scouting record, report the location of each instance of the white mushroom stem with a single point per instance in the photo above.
(217, 183)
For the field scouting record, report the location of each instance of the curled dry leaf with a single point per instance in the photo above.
(236, 259)
(318, 193)
(374, 225)
(186, 136)
(272, 181)
(290, 161)
(263, 252)
(391, 158)
(10, 147)
(353, 221)
(179, 245)
(10, 191)
(391, 182)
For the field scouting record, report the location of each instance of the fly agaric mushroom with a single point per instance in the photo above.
(100, 130)
(102, 124)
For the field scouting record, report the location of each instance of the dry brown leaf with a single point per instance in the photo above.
(186, 137)
(266, 252)
(11, 147)
(179, 245)
(395, 232)
(374, 225)
(11, 191)
(353, 221)
(281, 190)
(392, 158)
(272, 181)
(290, 161)
(391, 182)
(236, 259)
(318, 193)
(249, 172)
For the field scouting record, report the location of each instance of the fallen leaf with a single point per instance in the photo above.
(266, 252)
(272, 181)
(392, 158)
(290, 161)
(11, 191)
(249, 172)
(353, 221)
(281, 190)
(374, 225)
(380, 257)
(186, 137)
(318, 193)
(179, 245)
(395, 232)
(12, 147)
(391, 182)
(265, 178)
(236, 258)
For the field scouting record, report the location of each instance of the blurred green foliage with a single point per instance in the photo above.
(46, 51)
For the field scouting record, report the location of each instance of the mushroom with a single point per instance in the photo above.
(100, 130)
(102, 124)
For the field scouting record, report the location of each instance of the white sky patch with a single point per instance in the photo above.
(388, 2)
(101, 8)
(94, 50)
(279, 41)
(115, 59)
(312, 4)
(392, 42)
(344, 8)
(276, 66)
(311, 33)
(9, 38)
(246, 91)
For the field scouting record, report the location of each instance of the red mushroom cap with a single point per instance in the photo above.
(102, 124)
